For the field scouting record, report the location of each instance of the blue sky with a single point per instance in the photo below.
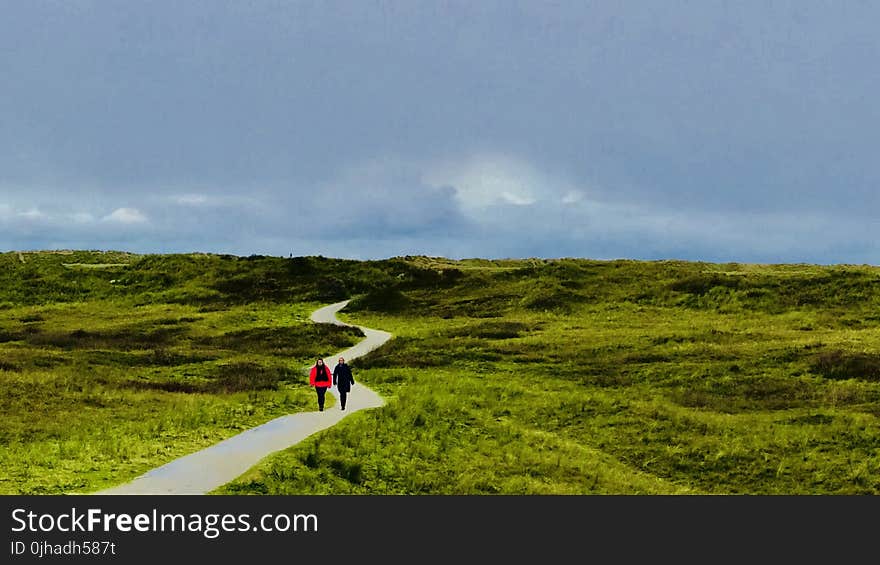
(718, 131)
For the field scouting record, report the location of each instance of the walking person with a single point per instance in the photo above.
(320, 378)
(342, 380)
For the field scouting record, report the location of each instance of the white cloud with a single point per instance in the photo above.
(53, 217)
(190, 199)
(125, 216)
(488, 180)
(516, 199)
(32, 214)
(572, 196)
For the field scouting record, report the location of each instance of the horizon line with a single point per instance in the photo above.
(458, 259)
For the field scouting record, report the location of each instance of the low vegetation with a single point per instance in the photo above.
(509, 376)
(577, 376)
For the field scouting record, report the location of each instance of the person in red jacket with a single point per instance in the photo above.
(320, 378)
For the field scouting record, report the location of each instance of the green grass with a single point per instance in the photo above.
(516, 376)
(88, 408)
(611, 377)
(99, 384)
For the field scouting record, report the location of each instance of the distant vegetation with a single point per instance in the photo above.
(509, 376)
(579, 376)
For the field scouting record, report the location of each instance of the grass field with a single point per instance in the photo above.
(611, 377)
(99, 384)
(514, 377)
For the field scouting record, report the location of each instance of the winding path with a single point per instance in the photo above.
(214, 466)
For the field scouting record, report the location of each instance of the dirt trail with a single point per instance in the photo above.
(214, 466)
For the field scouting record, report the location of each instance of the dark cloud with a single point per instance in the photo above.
(380, 198)
(497, 128)
(420, 219)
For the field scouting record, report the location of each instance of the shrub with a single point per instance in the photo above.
(838, 364)
(553, 299)
(331, 289)
(493, 330)
(384, 299)
(237, 377)
(702, 284)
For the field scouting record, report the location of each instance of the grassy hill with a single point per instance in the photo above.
(515, 376)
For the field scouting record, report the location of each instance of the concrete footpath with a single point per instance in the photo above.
(214, 466)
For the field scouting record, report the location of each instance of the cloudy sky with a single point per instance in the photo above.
(720, 131)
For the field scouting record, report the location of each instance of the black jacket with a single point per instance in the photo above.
(342, 377)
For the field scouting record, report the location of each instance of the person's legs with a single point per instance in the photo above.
(342, 395)
(321, 392)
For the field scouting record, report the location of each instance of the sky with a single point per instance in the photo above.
(697, 130)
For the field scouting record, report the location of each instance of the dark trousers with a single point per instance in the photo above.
(342, 395)
(322, 390)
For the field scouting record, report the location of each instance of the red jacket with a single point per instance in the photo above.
(313, 374)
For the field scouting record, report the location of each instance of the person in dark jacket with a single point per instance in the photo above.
(342, 380)
(320, 378)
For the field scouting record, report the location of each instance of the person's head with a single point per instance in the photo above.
(341, 360)
(319, 362)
